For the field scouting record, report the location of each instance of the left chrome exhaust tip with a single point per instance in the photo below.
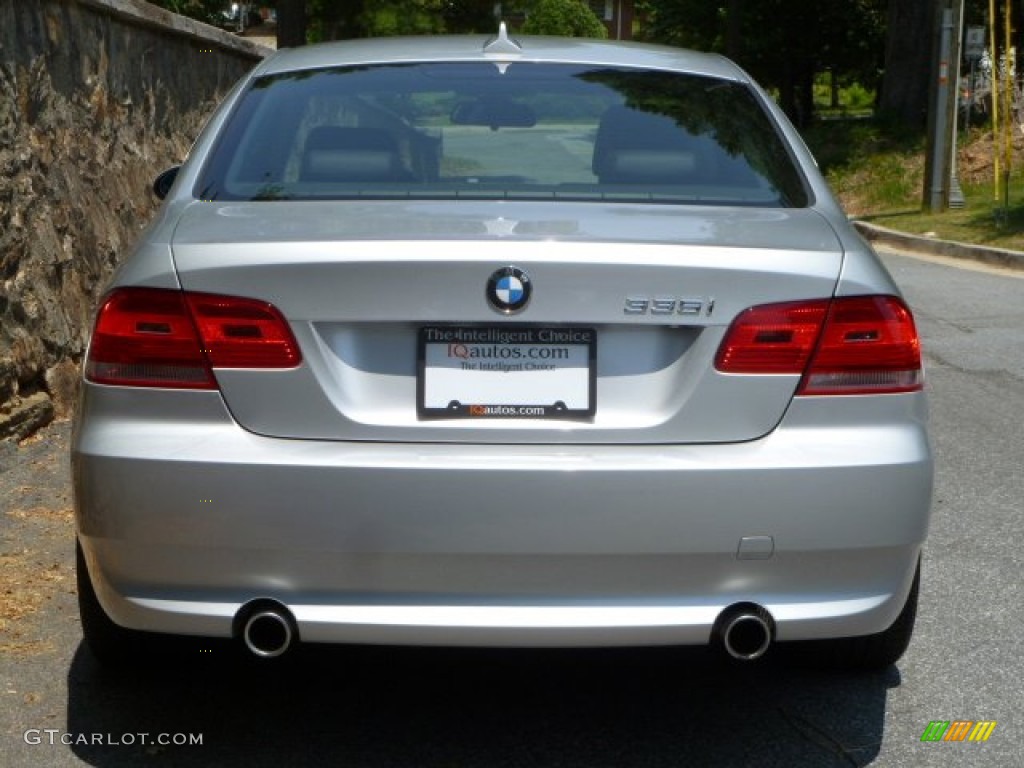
(745, 631)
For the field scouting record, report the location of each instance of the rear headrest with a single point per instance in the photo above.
(642, 147)
(346, 154)
(640, 166)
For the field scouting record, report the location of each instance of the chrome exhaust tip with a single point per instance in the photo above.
(745, 631)
(268, 632)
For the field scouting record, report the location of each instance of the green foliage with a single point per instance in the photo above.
(565, 18)
(856, 97)
(208, 11)
(331, 20)
(851, 99)
(782, 43)
(685, 24)
(342, 19)
(464, 16)
(844, 147)
(403, 17)
(336, 20)
(873, 166)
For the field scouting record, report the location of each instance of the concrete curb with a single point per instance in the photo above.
(933, 246)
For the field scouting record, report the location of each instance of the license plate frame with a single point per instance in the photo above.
(506, 372)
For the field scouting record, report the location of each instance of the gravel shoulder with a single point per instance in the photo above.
(39, 627)
(36, 540)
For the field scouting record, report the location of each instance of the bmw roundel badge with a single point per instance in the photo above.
(508, 290)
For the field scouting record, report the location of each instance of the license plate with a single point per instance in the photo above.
(506, 372)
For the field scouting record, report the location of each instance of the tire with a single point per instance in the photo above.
(875, 653)
(111, 644)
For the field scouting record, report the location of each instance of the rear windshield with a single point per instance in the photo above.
(524, 131)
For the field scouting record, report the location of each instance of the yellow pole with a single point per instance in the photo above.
(994, 91)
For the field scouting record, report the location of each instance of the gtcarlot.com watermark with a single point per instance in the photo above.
(54, 736)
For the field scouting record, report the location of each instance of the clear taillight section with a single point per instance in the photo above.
(846, 346)
(152, 337)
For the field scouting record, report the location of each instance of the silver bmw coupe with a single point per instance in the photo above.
(470, 342)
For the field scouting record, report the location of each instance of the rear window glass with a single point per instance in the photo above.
(501, 131)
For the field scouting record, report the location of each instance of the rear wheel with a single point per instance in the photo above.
(111, 644)
(874, 653)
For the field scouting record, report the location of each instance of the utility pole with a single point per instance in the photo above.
(942, 98)
(997, 176)
(1009, 85)
(955, 196)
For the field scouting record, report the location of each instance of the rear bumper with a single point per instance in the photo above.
(184, 521)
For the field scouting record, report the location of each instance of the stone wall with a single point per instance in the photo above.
(96, 97)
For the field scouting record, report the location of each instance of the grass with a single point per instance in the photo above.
(878, 175)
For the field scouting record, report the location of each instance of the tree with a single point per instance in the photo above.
(908, 51)
(333, 20)
(384, 18)
(291, 23)
(567, 18)
(464, 16)
(784, 44)
(208, 11)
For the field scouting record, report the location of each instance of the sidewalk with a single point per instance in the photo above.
(932, 246)
(264, 34)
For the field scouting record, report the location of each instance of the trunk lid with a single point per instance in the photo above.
(365, 284)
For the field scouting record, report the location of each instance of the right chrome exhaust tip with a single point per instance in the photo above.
(268, 632)
(745, 631)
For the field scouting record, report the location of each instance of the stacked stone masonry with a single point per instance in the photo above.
(96, 98)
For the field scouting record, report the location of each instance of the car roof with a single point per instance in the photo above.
(428, 48)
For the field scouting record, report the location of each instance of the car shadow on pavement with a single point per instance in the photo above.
(372, 706)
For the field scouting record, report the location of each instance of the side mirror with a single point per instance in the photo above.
(165, 181)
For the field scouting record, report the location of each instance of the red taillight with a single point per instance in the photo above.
(243, 333)
(851, 345)
(151, 337)
(773, 338)
(145, 337)
(869, 345)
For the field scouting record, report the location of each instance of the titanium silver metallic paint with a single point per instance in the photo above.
(317, 487)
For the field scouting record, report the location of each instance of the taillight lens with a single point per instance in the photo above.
(152, 337)
(772, 338)
(850, 345)
(869, 345)
(243, 333)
